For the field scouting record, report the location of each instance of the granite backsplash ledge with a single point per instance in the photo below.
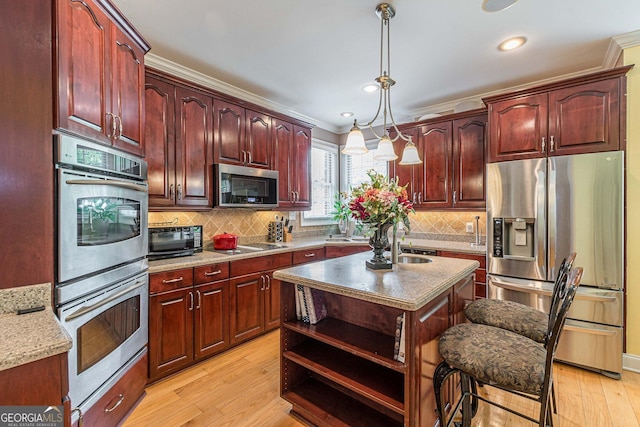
(252, 225)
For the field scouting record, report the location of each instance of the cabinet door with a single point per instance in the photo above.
(409, 175)
(159, 131)
(282, 144)
(170, 331)
(469, 136)
(127, 102)
(211, 326)
(517, 128)
(258, 140)
(247, 307)
(83, 70)
(585, 118)
(301, 161)
(194, 165)
(271, 302)
(436, 166)
(229, 123)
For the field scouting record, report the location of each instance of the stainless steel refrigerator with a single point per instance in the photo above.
(538, 212)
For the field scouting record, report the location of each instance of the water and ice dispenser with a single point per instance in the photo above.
(513, 237)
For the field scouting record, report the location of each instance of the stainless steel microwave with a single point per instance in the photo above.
(244, 187)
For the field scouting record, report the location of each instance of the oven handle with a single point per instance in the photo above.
(87, 309)
(114, 183)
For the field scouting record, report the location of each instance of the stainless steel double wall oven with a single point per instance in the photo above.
(102, 272)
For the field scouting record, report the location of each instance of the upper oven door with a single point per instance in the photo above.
(102, 222)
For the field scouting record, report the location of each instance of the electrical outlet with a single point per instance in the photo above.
(292, 216)
(469, 227)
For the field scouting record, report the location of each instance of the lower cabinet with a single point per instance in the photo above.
(481, 272)
(338, 251)
(188, 312)
(255, 296)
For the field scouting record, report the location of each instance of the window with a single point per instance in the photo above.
(354, 168)
(324, 183)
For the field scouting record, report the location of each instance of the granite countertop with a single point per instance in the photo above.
(406, 286)
(210, 257)
(29, 337)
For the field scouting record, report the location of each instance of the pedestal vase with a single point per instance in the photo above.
(378, 242)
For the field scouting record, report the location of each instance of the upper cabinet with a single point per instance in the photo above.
(179, 131)
(452, 150)
(292, 148)
(581, 115)
(100, 74)
(243, 137)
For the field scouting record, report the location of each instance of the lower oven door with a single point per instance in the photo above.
(109, 327)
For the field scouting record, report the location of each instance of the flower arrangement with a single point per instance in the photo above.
(381, 201)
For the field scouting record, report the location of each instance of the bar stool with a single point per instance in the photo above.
(501, 358)
(516, 317)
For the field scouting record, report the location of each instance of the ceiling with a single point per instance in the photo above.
(310, 58)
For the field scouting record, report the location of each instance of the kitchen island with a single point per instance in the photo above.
(344, 369)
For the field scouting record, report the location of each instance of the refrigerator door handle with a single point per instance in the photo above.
(517, 288)
(592, 331)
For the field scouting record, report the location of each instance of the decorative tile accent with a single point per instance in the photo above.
(252, 226)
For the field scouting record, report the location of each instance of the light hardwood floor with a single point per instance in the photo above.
(241, 388)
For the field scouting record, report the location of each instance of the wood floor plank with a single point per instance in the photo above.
(240, 388)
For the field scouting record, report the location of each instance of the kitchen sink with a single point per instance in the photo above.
(413, 259)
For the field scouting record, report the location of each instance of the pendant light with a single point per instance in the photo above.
(355, 140)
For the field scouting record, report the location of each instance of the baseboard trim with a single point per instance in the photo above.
(631, 362)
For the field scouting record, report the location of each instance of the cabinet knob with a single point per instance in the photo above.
(544, 145)
(552, 144)
(172, 191)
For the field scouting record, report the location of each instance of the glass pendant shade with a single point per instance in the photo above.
(385, 150)
(410, 155)
(355, 142)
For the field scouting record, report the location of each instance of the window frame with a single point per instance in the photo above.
(335, 149)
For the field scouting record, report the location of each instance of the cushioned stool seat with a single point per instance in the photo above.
(511, 316)
(495, 356)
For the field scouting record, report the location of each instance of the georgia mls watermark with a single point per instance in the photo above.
(31, 416)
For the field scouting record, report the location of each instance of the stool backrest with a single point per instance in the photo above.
(573, 282)
(559, 291)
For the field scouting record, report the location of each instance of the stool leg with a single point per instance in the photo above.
(467, 412)
(440, 375)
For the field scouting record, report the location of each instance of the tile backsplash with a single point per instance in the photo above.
(252, 226)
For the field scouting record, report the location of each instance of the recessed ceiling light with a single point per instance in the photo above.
(346, 114)
(371, 87)
(512, 43)
(497, 5)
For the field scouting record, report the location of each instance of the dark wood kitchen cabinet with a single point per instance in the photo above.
(188, 317)
(179, 132)
(100, 74)
(451, 175)
(581, 115)
(242, 136)
(292, 151)
(255, 296)
(480, 289)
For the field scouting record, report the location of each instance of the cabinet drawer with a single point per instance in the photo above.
(263, 263)
(116, 403)
(338, 251)
(480, 258)
(210, 273)
(308, 255)
(170, 280)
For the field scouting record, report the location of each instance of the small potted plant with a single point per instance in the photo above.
(342, 213)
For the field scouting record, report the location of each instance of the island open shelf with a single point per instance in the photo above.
(341, 371)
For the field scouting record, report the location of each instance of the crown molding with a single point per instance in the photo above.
(186, 73)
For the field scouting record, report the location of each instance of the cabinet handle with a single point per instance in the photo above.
(414, 198)
(250, 158)
(420, 197)
(244, 156)
(297, 196)
(191, 299)
(172, 191)
(454, 197)
(120, 399)
(262, 278)
(309, 255)
(179, 191)
(199, 300)
(119, 127)
(113, 125)
(80, 416)
(268, 282)
(179, 279)
(544, 145)
(212, 273)
(552, 144)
